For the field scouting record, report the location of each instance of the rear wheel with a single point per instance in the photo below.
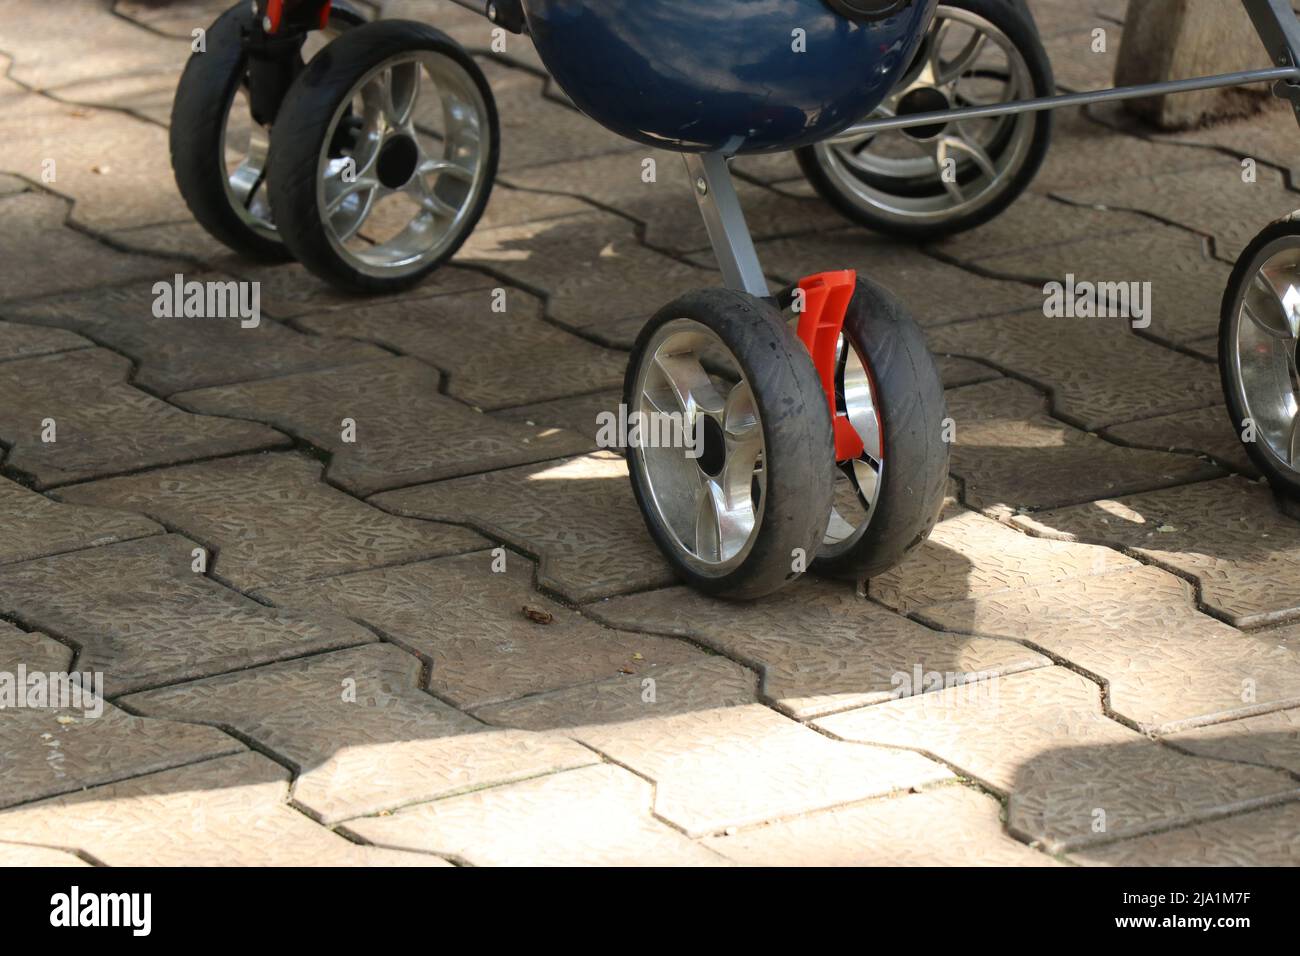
(218, 151)
(383, 156)
(931, 181)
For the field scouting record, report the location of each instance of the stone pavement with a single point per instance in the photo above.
(451, 640)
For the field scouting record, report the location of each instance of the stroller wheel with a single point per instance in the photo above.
(1259, 348)
(383, 156)
(741, 511)
(930, 181)
(218, 150)
(888, 498)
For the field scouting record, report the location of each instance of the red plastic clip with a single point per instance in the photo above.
(826, 299)
(325, 14)
(274, 14)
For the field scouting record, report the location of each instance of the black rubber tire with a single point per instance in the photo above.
(304, 122)
(796, 431)
(203, 100)
(1279, 476)
(910, 401)
(1007, 16)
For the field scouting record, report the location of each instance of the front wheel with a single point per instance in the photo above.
(383, 156)
(1259, 353)
(741, 511)
(887, 499)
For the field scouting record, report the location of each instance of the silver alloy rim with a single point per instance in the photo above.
(712, 505)
(244, 148)
(1267, 339)
(964, 61)
(857, 486)
(398, 191)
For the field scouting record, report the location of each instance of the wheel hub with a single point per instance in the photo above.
(713, 454)
(398, 158)
(924, 99)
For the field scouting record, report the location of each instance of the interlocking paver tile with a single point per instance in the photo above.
(1012, 455)
(1186, 283)
(35, 526)
(580, 413)
(933, 291)
(1229, 536)
(1267, 137)
(231, 811)
(470, 622)
(18, 854)
(1165, 664)
(1054, 17)
(956, 372)
(271, 520)
(102, 425)
(138, 613)
(595, 816)
(1076, 65)
(717, 757)
(535, 129)
(184, 239)
(24, 341)
(666, 205)
(184, 353)
(1072, 775)
(1033, 221)
(43, 256)
(578, 517)
(56, 44)
(1225, 207)
(113, 166)
(968, 555)
(946, 826)
(1200, 431)
(1097, 371)
(402, 431)
(1093, 147)
(1266, 740)
(818, 646)
(361, 733)
(1262, 838)
(48, 749)
(769, 168)
(288, 290)
(492, 359)
(599, 278)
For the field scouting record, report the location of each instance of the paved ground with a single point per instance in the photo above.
(349, 680)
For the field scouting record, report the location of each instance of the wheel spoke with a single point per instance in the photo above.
(955, 144)
(691, 385)
(865, 475)
(401, 86)
(708, 540)
(1273, 304)
(347, 189)
(947, 74)
(445, 167)
(933, 65)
